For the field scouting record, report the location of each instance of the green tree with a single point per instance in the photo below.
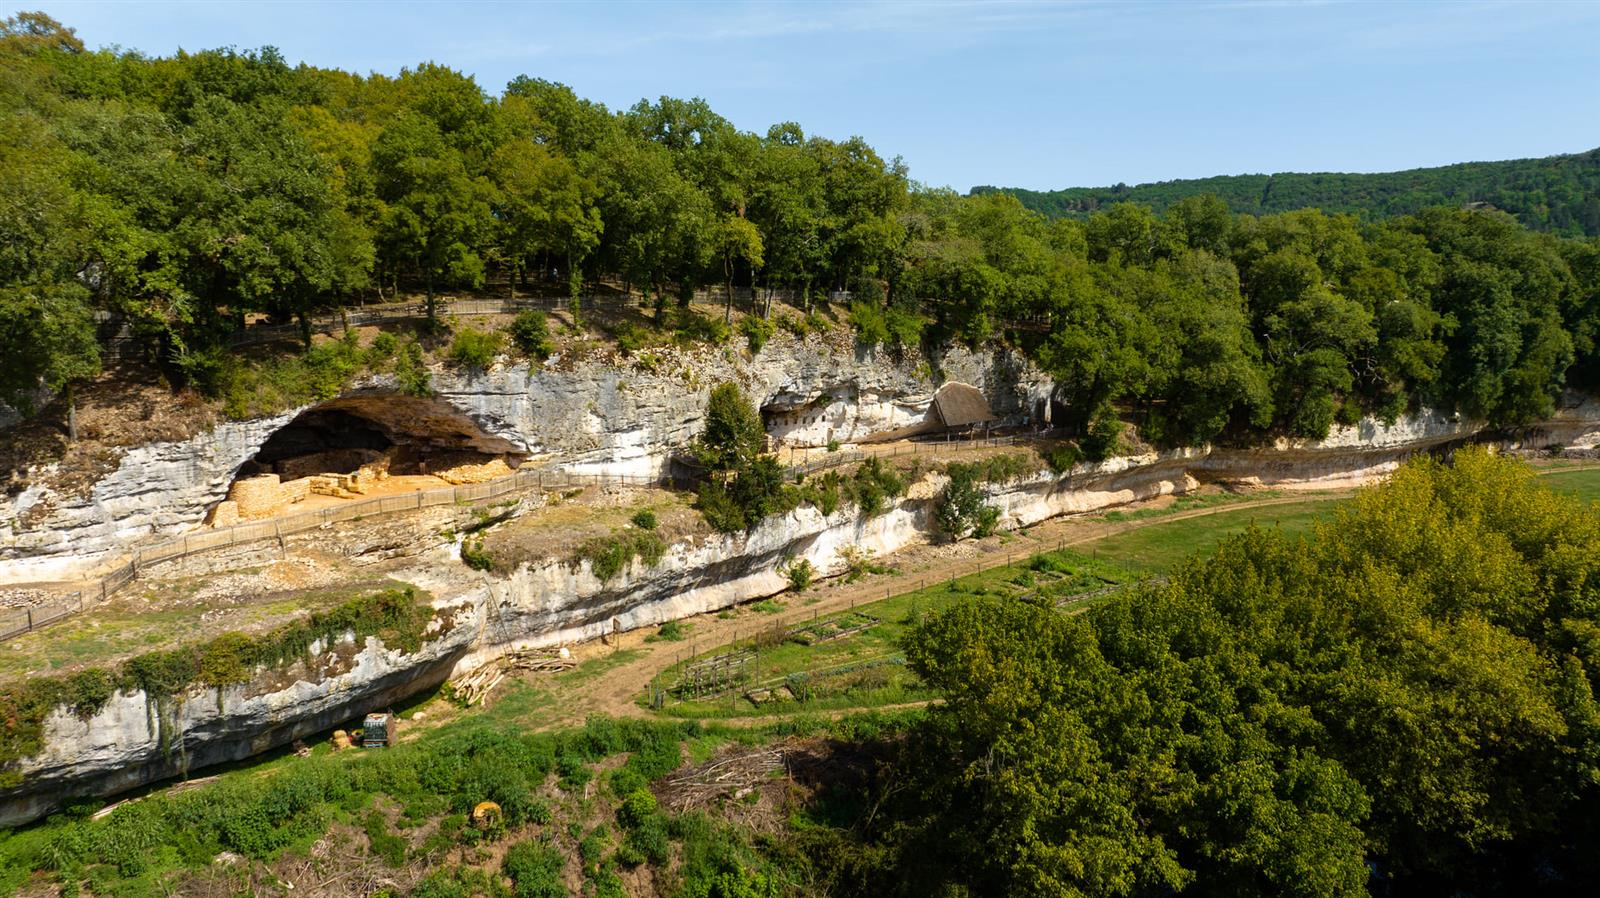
(733, 435)
(543, 208)
(436, 215)
(46, 320)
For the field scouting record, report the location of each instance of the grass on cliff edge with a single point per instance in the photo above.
(132, 623)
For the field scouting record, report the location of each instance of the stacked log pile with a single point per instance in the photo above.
(475, 687)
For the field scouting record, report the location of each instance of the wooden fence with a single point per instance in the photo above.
(119, 344)
(25, 620)
(28, 619)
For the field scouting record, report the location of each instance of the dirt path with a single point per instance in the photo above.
(616, 692)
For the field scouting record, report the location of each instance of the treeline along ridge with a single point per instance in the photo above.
(179, 194)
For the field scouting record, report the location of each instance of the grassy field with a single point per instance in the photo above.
(853, 659)
(865, 667)
(1156, 548)
(1190, 503)
(137, 623)
(1584, 484)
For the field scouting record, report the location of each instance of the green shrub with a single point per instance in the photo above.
(691, 327)
(637, 807)
(672, 631)
(1062, 458)
(800, 572)
(1104, 438)
(574, 771)
(873, 484)
(858, 562)
(530, 333)
(443, 884)
(593, 847)
(644, 519)
(249, 388)
(869, 324)
(609, 555)
(384, 844)
(625, 780)
(383, 347)
(960, 509)
(473, 348)
(535, 869)
(646, 827)
(475, 556)
(630, 339)
(825, 491)
(411, 371)
(876, 325)
(719, 509)
(795, 325)
(1001, 468)
(905, 328)
(757, 331)
(649, 840)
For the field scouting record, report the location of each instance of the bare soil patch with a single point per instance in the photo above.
(569, 520)
(126, 405)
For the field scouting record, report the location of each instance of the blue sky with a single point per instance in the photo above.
(1030, 94)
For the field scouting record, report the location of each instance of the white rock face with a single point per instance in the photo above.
(601, 414)
(613, 415)
(159, 490)
(131, 743)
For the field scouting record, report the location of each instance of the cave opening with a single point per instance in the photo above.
(364, 446)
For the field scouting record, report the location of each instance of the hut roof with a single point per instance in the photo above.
(958, 405)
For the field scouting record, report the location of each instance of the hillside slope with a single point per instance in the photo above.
(1555, 193)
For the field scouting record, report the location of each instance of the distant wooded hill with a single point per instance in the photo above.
(1556, 193)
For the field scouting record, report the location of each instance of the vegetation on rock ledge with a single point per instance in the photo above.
(397, 617)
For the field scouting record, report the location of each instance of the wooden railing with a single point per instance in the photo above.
(200, 541)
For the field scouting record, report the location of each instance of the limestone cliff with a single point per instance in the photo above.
(599, 413)
(134, 741)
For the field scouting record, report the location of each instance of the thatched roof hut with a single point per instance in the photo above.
(961, 405)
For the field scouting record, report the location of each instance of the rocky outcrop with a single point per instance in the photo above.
(158, 489)
(608, 414)
(134, 741)
(597, 414)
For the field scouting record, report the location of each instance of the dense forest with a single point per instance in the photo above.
(1403, 704)
(1556, 193)
(176, 195)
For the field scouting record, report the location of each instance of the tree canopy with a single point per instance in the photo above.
(1555, 193)
(177, 195)
(1402, 703)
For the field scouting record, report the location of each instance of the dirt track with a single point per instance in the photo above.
(616, 692)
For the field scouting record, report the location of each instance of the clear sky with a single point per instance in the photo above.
(1028, 94)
